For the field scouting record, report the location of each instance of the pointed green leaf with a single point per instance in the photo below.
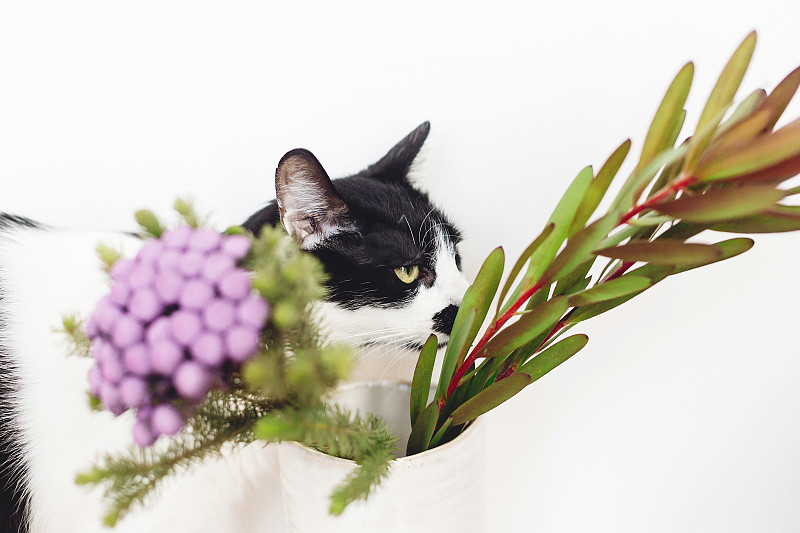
(700, 140)
(721, 204)
(742, 132)
(729, 80)
(521, 262)
(728, 249)
(580, 246)
(668, 115)
(553, 356)
(745, 108)
(422, 431)
(663, 252)
(598, 187)
(763, 152)
(439, 435)
(655, 273)
(457, 345)
(576, 278)
(474, 307)
(421, 382)
(562, 219)
(610, 290)
(776, 220)
(780, 97)
(490, 397)
(529, 325)
(639, 179)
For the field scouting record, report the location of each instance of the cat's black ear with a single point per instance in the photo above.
(310, 209)
(395, 164)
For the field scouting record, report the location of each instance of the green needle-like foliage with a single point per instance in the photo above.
(279, 394)
(336, 432)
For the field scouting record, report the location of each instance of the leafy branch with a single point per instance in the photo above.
(725, 177)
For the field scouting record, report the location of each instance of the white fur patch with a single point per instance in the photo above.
(385, 334)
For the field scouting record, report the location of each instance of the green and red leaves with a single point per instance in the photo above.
(721, 204)
(663, 252)
(490, 397)
(471, 314)
(729, 80)
(765, 151)
(528, 327)
(667, 118)
(421, 382)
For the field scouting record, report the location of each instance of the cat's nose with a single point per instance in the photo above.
(444, 319)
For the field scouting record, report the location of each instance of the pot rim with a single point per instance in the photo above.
(401, 460)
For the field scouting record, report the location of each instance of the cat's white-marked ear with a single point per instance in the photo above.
(395, 164)
(310, 209)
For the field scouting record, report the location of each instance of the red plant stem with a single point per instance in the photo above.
(666, 192)
(563, 322)
(461, 370)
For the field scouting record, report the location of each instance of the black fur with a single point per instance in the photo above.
(13, 500)
(397, 226)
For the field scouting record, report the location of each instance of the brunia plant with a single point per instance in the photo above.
(726, 177)
(218, 392)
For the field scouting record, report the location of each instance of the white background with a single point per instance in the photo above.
(682, 414)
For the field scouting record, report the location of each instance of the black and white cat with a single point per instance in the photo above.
(394, 278)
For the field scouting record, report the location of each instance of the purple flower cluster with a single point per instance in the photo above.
(176, 317)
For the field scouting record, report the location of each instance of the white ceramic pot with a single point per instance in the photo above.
(439, 490)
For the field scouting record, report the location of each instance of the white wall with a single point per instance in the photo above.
(682, 414)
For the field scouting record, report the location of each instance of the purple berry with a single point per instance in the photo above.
(177, 238)
(142, 434)
(119, 293)
(235, 285)
(91, 328)
(216, 266)
(112, 370)
(252, 312)
(236, 246)
(204, 240)
(169, 260)
(166, 420)
(208, 349)
(241, 343)
(121, 269)
(185, 326)
(191, 263)
(141, 276)
(133, 391)
(126, 331)
(195, 294)
(219, 315)
(150, 251)
(192, 380)
(165, 357)
(168, 285)
(106, 314)
(110, 397)
(95, 380)
(136, 360)
(145, 305)
(158, 330)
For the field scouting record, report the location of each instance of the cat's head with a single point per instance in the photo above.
(390, 254)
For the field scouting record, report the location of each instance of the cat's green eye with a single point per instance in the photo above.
(407, 274)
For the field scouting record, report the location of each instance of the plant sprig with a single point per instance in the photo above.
(725, 177)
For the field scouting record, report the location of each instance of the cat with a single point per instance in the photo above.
(394, 278)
